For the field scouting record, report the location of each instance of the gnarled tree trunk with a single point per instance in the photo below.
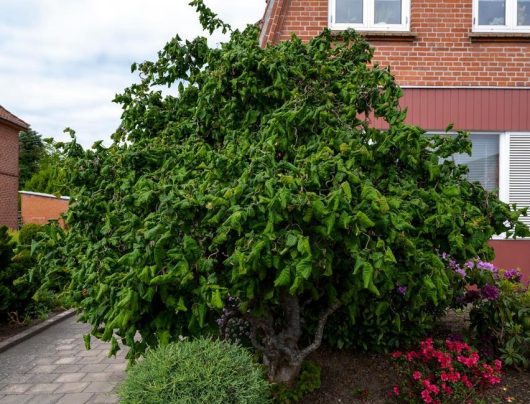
(281, 353)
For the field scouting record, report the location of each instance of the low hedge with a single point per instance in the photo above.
(196, 371)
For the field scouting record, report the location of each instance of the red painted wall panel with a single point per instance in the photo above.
(472, 109)
(513, 254)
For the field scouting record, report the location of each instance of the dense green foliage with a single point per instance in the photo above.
(21, 295)
(50, 177)
(264, 180)
(31, 151)
(31, 281)
(198, 371)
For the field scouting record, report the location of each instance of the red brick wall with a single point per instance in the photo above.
(40, 209)
(8, 175)
(441, 54)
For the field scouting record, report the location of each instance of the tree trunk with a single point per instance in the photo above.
(285, 373)
(281, 353)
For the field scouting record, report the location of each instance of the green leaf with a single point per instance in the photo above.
(368, 273)
(284, 278)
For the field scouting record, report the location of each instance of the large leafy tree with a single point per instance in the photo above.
(264, 180)
(31, 151)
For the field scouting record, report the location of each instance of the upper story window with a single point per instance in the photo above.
(501, 15)
(370, 15)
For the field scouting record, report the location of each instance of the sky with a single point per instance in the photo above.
(63, 61)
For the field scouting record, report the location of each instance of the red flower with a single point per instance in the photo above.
(426, 396)
(396, 390)
(396, 354)
(416, 375)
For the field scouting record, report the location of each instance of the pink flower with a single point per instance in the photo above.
(467, 382)
(416, 375)
(498, 364)
(426, 396)
(396, 354)
(396, 390)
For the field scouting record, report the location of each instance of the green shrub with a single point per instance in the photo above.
(264, 180)
(26, 287)
(198, 371)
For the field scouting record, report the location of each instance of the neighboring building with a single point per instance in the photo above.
(465, 62)
(10, 126)
(40, 208)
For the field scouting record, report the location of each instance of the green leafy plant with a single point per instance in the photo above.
(264, 180)
(198, 371)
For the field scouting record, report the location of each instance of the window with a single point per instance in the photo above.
(501, 15)
(370, 15)
(483, 163)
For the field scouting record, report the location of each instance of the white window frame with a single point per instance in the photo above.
(368, 18)
(510, 20)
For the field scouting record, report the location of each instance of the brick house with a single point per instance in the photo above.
(465, 62)
(10, 126)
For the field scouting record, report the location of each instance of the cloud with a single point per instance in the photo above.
(62, 61)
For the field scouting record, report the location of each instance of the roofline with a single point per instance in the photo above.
(64, 198)
(13, 124)
(266, 20)
(16, 122)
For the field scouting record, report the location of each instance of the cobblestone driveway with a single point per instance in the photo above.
(54, 367)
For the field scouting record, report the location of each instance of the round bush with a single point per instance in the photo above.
(197, 371)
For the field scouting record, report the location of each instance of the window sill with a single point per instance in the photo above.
(387, 36)
(499, 36)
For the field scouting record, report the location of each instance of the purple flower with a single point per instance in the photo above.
(490, 292)
(401, 289)
(461, 272)
(470, 264)
(487, 266)
(512, 275)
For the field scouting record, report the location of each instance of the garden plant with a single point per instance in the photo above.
(263, 179)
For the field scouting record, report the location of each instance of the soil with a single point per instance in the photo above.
(8, 330)
(356, 377)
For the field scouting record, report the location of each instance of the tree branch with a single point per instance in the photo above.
(320, 329)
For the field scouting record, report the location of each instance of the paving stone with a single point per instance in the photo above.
(71, 387)
(91, 352)
(68, 360)
(45, 399)
(16, 388)
(65, 347)
(94, 367)
(47, 360)
(116, 367)
(43, 388)
(16, 399)
(76, 398)
(104, 398)
(70, 377)
(17, 378)
(100, 387)
(42, 378)
(102, 377)
(66, 341)
(67, 368)
(60, 354)
(43, 369)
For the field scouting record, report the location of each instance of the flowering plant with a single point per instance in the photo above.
(449, 372)
(500, 307)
